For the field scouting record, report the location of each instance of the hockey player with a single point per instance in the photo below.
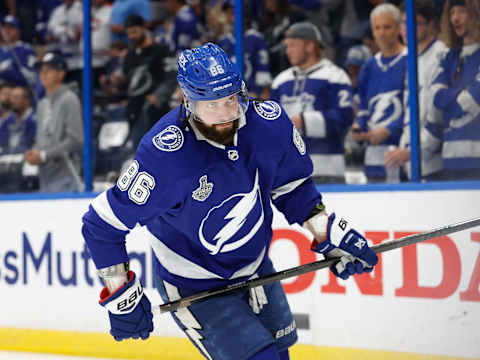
(202, 182)
(381, 89)
(456, 92)
(317, 96)
(430, 52)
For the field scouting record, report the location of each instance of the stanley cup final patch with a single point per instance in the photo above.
(268, 110)
(204, 190)
(169, 139)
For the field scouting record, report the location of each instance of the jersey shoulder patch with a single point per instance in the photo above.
(268, 110)
(169, 139)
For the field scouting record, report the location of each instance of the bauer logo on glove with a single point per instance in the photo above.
(335, 238)
(127, 304)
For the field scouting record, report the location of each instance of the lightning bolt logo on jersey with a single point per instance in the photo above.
(244, 216)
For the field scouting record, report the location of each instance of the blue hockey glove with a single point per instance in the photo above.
(335, 238)
(129, 310)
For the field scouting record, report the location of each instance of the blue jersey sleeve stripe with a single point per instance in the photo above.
(102, 207)
(285, 189)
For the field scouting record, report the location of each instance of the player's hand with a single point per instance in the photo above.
(334, 237)
(397, 157)
(357, 134)
(297, 121)
(129, 310)
(378, 135)
(33, 157)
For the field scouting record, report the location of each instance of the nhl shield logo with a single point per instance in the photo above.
(233, 155)
(268, 110)
(169, 139)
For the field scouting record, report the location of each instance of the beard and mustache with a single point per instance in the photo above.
(219, 133)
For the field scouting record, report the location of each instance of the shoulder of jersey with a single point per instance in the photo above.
(285, 75)
(267, 110)
(330, 72)
(254, 33)
(167, 136)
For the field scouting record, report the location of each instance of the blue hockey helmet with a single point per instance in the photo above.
(207, 73)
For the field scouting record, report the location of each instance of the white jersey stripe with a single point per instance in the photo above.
(177, 265)
(102, 208)
(285, 189)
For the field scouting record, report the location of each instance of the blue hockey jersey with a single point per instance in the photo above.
(256, 63)
(381, 85)
(323, 95)
(457, 94)
(206, 206)
(17, 63)
(17, 136)
(183, 33)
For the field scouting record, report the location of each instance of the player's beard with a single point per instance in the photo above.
(221, 134)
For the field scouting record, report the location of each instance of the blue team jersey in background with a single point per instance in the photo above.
(459, 75)
(381, 86)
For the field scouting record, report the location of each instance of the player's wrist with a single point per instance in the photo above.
(115, 276)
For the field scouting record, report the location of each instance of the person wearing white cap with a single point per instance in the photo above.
(317, 96)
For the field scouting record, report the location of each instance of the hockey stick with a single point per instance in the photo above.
(316, 265)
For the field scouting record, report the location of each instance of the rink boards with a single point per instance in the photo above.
(422, 302)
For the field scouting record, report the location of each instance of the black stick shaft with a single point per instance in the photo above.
(316, 265)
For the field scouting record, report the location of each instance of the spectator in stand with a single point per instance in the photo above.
(32, 16)
(43, 13)
(351, 22)
(256, 64)
(17, 59)
(217, 23)
(59, 136)
(317, 96)
(17, 131)
(149, 79)
(381, 87)
(430, 51)
(112, 82)
(277, 17)
(183, 32)
(64, 31)
(101, 38)
(456, 91)
(356, 56)
(121, 9)
(5, 105)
